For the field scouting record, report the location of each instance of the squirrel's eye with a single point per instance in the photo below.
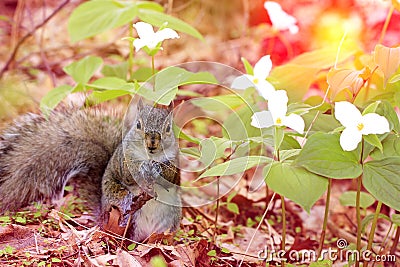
(168, 128)
(139, 125)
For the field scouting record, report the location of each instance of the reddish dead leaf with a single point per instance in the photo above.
(341, 79)
(16, 236)
(113, 222)
(387, 59)
(102, 260)
(126, 259)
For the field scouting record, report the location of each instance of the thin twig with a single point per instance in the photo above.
(29, 34)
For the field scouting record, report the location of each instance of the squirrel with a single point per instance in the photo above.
(136, 174)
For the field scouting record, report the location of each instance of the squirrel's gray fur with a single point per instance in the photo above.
(38, 156)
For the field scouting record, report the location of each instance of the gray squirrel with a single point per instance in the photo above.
(136, 174)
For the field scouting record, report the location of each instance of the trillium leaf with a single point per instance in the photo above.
(296, 183)
(349, 199)
(235, 166)
(297, 75)
(388, 60)
(373, 140)
(341, 79)
(381, 179)
(158, 19)
(54, 97)
(391, 147)
(247, 66)
(323, 155)
(92, 17)
(81, 71)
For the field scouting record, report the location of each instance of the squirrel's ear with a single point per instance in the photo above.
(171, 106)
(140, 104)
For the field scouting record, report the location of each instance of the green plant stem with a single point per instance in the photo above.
(385, 26)
(216, 213)
(358, 215)
(373, 227)
(326, 215)
(152, 65)
(283, 226)
(395, 241)
(130, 59)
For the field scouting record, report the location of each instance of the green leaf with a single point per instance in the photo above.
(117, 70)
(234, 166)
(368, 219)
(381, 179)
(21, 220)
(386, 109)
(102, 96)
(221, 102)
(157, 261)
(297, 75)
(225, 250)
(373, 140)
(81, 71)
(233, 207)
(94, 17)
(394, 78)
(322, 122)
(295, 183)
(396, 219)
(142, 74)
(247, 66)
(237, 126)
(349, 199)
(166, 83)
(158, 19)
(213, 148)
(391, 147)
(278, 137)
(113, 83)
(55, 260)
(53, 98)
(288, 154)
(323, 155)
(212, 253)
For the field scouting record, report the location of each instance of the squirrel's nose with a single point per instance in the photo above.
(152, 140)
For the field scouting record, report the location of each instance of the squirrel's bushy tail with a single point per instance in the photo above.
(38, 156)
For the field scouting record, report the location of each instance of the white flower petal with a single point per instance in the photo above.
(350, 138)
(243, 82)
(294, 122)
(265, 89)
(347, 114)
(262, 119)
(279, 18)
(139, 44)
(144, 30)
(263, 67)
(293, 29)
(164, 34)
(374, 124)
(277, 103)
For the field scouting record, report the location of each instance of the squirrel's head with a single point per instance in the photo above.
(154, 125)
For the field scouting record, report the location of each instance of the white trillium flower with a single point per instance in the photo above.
(356, 125)
(281, 20)
(149, 38)
(261, 71)
(276, 114)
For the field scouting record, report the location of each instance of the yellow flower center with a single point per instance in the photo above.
(360, 126)
(278, 121)
(255, 81)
